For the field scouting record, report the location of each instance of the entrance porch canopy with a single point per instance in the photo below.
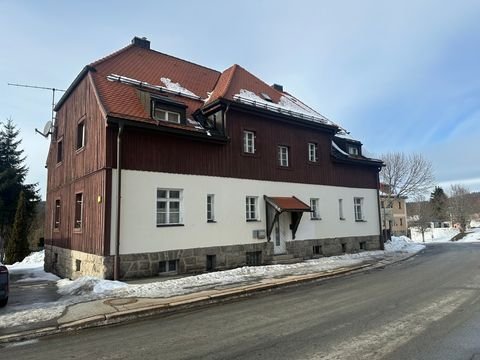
(277, 205)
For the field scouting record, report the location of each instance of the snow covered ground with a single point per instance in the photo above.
(473, 235)
(434, 235)
(90, 288)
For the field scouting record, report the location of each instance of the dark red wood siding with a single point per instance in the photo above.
(156, 151)
(79, 171)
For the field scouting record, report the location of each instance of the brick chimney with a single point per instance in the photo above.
(278, 87)
(141, 42)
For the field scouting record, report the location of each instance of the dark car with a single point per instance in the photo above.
(4, 280)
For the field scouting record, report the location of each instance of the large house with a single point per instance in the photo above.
(158, 165)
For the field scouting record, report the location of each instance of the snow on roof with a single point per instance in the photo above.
(286, 106)
(172, 88)
(176, 87)
(338, 149)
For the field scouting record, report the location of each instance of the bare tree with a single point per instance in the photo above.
(460, 204)
(404, 176)
(423, 215)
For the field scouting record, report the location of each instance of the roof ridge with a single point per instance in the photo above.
(109, 56)
(183, 60)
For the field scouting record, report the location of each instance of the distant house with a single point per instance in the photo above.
(393, 210)
(159, 166)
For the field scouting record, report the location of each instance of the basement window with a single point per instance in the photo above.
(317, 250)
(168, 266)
(363, 245)
(253, 258)
(78, 264)
(211, 262)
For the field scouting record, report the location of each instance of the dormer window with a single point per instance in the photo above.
(353, 150)
(165, 115)
(169, 110)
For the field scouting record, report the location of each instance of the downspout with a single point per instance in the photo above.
(116, 265)
(382, 239)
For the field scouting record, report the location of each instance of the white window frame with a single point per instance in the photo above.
(210, 208)
(167, 114)
(168, 200)
(283, 156)
(340, 209)
(251, 208)
(78, 220)
(248, 142)
(358, 209)
(80, 135)
(353, 150)
(314, 205)
(312, 152)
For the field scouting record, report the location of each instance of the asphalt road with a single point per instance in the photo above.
(424, 308)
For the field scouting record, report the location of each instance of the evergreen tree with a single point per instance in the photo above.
(12, 181)
(439, 204)
(17, 245)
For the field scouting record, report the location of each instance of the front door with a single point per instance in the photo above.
(280, 235)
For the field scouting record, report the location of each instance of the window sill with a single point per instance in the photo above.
(169, 225)
(313, 163)
(77, 231)
(280, 167)
(250, 155)
(315, 219)
(56, 230)
(211, 221)
(79, 150)
(360, 220)
(253, 220)
(58, 164)
(343, 219)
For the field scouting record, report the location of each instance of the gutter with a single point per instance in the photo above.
(116, 265)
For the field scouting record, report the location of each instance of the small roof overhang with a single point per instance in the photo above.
(279, 204)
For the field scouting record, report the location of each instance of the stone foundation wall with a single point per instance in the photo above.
(192, 260)
(73, 264)
(304, 249)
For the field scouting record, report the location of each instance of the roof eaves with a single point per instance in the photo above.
(72, 86)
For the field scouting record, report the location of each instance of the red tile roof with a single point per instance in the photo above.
(145, 65)
(289, 203)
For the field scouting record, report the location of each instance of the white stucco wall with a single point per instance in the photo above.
(139, 232)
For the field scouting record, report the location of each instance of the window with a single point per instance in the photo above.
(80, 135)
(169, 207)
(315, 214)
(78, 210)
(382, 204)
(353, 150)
(78, 264)
(210, 208)
(59, 151)
(283, 155)
(317, 250)
(399, 204)
(340, 209)
(168, 266)
(401, 222)
(253, 258)
(165, 115)
(56, 216)
(251, 208)
(211, 262)
(249, 142)
(312, 152)
(358, 207)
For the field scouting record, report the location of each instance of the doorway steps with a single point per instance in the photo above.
(283, 259)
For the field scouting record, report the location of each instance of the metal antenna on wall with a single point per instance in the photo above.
(47, 130)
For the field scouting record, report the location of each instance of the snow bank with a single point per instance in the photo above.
(472, 236)
(402, 244)
(31, 268)
(87, 285)
(434, 235)
(33, 260)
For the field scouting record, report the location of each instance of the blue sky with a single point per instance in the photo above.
(401, 76)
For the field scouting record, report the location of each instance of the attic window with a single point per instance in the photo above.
(165, 115)
(266, 97)
(353, 150)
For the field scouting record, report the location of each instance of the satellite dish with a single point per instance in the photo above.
(47, 129)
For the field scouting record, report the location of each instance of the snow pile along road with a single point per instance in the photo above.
(30, 269)
(402, 244)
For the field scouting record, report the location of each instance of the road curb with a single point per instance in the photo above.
(184, 304)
